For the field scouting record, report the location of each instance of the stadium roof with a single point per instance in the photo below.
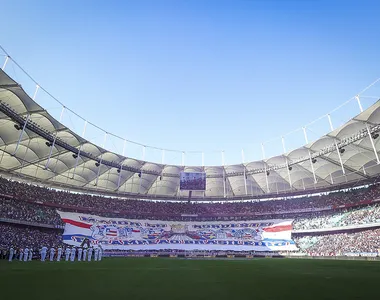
(37, 147)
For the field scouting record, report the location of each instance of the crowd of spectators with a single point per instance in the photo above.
(344, 217)
(336, 244)
(28, 212)
(142, 208)
(37, 205)
(328, 244)
(365, 215)
(12, 209)
(28, 236)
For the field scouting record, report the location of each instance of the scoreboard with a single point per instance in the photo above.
(192, 181)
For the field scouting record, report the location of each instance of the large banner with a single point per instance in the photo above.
(125, 234)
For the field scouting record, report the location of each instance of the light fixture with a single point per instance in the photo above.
(17, 126)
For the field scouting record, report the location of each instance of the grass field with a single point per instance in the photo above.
(160, 278)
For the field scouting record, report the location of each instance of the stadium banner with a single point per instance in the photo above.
(128, 234)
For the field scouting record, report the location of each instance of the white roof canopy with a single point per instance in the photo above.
(49, 152)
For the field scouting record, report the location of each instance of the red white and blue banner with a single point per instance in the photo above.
(125, 234)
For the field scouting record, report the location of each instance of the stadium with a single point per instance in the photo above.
(80, 218)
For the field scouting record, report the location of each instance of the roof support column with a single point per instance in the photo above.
(224, 176)
(132, 182)
(311, 161)
(155, 190)
(121, 167)
(265, 167)
(245, 181)
(336, 145)
(332, 181)
(119, 179)
(108, 178)
(179, 192)
(55, 138)
(5, 62)
(140, 176)
(34, 98)
(79, 150)
(287, 162)
(35, 174)
(277, 187)
(125, 186)
(372, 143)
(244, 174)
(21, 134)
(35, 92)
(22, 162)
(369, 131)
(359, 103)
(101, 158)
(2, 155)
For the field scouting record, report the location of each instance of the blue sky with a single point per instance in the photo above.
(196, 75)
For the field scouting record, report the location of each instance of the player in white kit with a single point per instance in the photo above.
(21, 255)
(80, 251)
(11, 253)
(59, 253)
(30, 254)
(43, 253)
(26, 254)
(72, 257)
(96, 253)
(89, 254)
(84, 254)
(100, 254)
(52, 252)
(67, 254)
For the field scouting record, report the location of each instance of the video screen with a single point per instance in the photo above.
(192, 181)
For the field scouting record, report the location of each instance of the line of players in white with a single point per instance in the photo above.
(81, 254)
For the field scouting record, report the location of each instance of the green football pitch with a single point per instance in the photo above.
(160, 278)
